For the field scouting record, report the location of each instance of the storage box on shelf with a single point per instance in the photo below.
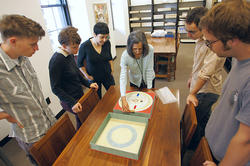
(154, 16)
(140, 18)
(166, 14)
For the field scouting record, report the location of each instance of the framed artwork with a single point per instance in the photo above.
(101, 12)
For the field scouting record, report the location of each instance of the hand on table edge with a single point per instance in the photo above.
(77, 108)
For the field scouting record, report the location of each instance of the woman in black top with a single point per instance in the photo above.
(65, 78)
(96, 52)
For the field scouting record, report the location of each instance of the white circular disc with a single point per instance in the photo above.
(138, 101)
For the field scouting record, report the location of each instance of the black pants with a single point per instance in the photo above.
(67, 108)
(106, 82)
(142, 86)
(203, 111)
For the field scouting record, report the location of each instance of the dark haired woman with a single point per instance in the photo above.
(96, 51)
(139, 60)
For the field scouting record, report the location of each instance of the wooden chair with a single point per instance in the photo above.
(188, 126)
(88, 102)
(201, 154)
(49, 147)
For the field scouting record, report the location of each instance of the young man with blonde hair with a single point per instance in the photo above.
(226, 29)
(21, 96)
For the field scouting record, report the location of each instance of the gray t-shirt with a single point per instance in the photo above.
(233, 109)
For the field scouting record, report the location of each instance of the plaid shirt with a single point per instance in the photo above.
(22, 98)
(208, 66)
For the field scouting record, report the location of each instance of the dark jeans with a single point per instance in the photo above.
(106, 82)
(215, 160)
(67, 108)
(26, 147)
(4, 158)
(142, 86)
(203, 111)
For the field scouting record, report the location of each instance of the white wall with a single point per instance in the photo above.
(40, 60)
(121, 21)
(82, 16)
(91, 16)
(79, 18)
(209, 4)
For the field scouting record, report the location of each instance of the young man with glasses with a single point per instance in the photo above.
(226, 29)
(205, 81)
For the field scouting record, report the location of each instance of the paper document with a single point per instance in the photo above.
(165, 95)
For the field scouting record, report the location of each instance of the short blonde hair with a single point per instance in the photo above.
(21, 26)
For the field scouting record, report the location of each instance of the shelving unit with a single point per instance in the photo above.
(140, 18)
(158, 16)
(165, 16)
(150, 17)
(184, 7)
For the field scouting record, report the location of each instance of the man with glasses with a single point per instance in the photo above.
(205, 81)
(226, 29)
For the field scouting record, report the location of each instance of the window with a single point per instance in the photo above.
(56, 15)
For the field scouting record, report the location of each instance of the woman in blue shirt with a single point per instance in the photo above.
(138, 59)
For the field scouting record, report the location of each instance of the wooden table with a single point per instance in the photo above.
(165, 52)
(161, 146)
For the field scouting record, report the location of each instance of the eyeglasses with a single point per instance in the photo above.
(209, 43)
(103, 36)
(137, 49)
(192, 32)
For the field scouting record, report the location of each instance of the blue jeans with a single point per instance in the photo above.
(203, 112)
(143, 86)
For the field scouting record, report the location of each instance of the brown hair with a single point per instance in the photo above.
(228, 20)
(69, 36)
(18, 25)
(195, 15)
(135, 38)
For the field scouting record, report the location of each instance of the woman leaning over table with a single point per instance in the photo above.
(138, 59)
